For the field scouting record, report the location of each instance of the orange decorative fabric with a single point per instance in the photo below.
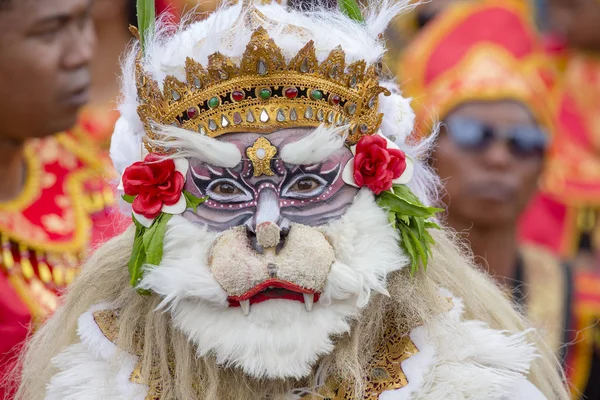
(476, 52)
(585, 334)
(64, 209)
(571, 180)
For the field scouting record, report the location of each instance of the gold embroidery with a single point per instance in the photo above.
(261, 153)
(385, 369)
(107, 321)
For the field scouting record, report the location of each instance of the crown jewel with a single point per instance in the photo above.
(263, 93)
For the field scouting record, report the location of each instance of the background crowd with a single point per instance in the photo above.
(512, 86)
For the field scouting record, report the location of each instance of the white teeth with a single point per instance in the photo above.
(309, 301)
(245, 304)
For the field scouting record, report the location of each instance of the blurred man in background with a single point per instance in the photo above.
(565, 216)
(481, 67)
(54, 202)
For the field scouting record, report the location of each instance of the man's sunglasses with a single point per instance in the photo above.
(472, 134)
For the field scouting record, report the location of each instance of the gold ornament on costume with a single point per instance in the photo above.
(263, 93)
(384, 371)
(261, 153)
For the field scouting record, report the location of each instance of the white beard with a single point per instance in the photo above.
(279, 338)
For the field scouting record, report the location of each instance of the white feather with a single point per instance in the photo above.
(193, 145)
(94, 369)
(316, 147)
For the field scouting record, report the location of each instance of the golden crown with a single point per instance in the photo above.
(264, 93)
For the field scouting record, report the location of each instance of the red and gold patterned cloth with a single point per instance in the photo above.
(64, 209)
(476, 52)
(569, 202)
(490, 50)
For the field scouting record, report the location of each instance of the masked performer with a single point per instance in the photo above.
(283, 246)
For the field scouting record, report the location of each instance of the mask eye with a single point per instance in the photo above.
(227, 191)
(305, 186)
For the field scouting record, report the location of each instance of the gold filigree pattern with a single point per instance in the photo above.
(108, 323)
(260, 154)
(263, 94)
(385, 370)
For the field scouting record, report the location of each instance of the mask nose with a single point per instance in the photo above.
(267, 229)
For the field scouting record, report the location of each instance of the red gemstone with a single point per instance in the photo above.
(291, 93)
(335, 99)
(238, 95)
(192, 112)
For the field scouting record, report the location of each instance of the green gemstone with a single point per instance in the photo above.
(213, 102)
(264, 93)
(316, 95)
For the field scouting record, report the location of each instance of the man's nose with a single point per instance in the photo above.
(267, 228)
(498, 155)
(80, 50)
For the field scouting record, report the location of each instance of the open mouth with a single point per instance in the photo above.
(274, 289)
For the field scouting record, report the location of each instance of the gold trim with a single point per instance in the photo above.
(383, 373)
(260, 154)
(328, 93)
(384, 370)
(23, 291)
(32, 186)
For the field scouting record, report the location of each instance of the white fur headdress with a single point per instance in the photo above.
(224, 32)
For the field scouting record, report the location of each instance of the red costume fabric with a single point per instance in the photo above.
(64, 209)
(490, 51)
(568, 205)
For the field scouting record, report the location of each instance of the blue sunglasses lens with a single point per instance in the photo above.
(473, 134)
(528, 140)
(468, 133)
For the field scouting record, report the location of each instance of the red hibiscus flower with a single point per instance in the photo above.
(376, 166)
(154, 182)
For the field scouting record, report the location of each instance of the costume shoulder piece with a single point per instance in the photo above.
(45, 232)
(425, 363)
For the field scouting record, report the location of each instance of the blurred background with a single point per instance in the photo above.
(512, 88)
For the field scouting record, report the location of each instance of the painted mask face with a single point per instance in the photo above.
(263, 188)
(278, 251)
(270, 211)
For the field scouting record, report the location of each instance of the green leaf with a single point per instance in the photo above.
(405, 193)
(192, 201)
(423, 254)
(146, 18)
(420, 223)
(128, 198)
(404, 218)
(138, 255)
(392, 219)
(411, 222)
(431, 225)
(351, 9)
(410, 250)
(154, 240)
(394, 203)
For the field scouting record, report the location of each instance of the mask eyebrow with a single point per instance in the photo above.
(316, 147)
(193, 145)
